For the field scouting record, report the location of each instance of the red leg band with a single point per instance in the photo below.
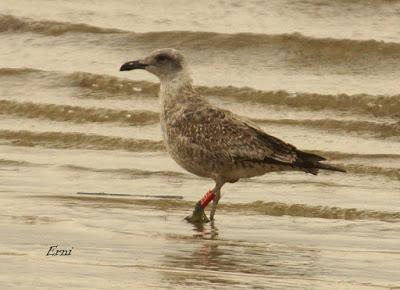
(209, 196)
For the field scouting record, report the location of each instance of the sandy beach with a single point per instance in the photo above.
(84, 169)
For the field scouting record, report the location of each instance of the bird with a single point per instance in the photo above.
(211, 142)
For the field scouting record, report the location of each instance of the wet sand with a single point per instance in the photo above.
(83, 166)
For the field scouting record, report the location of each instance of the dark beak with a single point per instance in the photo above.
(130, 65)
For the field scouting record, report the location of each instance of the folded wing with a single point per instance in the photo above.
(217, 130)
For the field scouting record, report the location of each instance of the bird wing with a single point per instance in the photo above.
(219, 131)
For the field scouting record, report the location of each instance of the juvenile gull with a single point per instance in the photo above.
(211, 142)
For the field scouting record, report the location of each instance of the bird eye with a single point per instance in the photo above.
(162, 57)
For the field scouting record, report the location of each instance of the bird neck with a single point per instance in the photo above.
(176, 89)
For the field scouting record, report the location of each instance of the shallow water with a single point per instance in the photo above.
(322, 75)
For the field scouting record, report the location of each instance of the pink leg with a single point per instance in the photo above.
(206, 199)
(198, 215)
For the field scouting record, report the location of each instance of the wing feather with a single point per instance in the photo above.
(216, 130)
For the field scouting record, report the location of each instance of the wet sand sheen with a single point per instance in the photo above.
(210, 254)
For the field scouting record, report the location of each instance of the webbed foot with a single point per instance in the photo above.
(198, 215)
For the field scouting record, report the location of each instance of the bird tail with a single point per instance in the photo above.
(329, 167)
(311, 163)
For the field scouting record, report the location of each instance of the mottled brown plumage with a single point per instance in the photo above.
(212, 142)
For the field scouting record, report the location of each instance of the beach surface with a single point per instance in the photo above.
(83, 166)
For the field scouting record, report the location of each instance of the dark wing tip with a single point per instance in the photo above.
(310, 156)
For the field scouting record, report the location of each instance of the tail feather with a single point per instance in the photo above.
(329, 167)
(311, 163)
(310, 156)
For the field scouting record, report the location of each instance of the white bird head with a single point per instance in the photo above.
(165, 63)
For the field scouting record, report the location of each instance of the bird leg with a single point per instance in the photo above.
(198, 215)
(215, 203)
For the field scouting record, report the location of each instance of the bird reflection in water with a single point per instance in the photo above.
(205, 259)
(205, 231)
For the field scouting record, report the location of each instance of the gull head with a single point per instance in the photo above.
(165, 63)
